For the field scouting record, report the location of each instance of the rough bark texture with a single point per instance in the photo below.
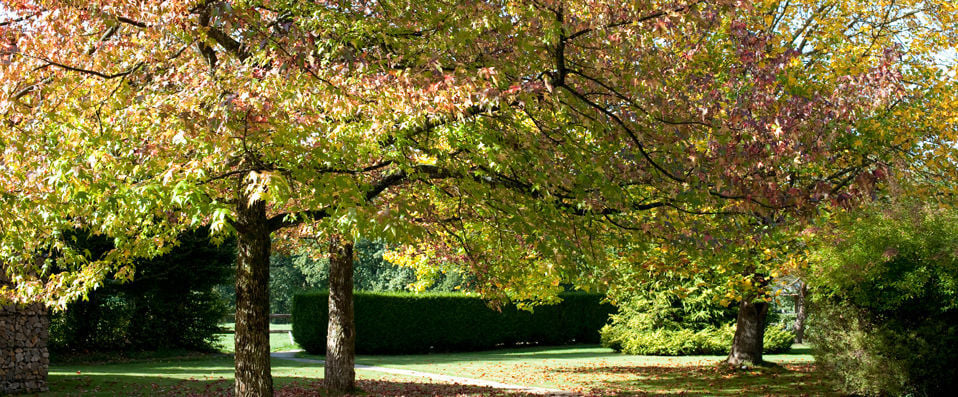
(24, 359)
(800, 313)
(340, 376)
(749, 333)
(252, 301)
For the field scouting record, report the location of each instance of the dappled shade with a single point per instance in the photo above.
(713, 380)
(582, 370)
(218, 386)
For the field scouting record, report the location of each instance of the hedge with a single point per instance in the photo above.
(400, 323)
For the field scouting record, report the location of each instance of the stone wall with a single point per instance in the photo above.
(24, 359)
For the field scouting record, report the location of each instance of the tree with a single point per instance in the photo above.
(169, 304)
(710, 137)
(514, 136)
(249, 117)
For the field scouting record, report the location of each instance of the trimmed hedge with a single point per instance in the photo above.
(400, 323)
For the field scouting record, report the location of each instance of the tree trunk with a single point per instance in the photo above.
(340, 376)
(749, 334)
(800, 313)
(253, 376)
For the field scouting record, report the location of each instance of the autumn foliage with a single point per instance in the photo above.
(534, 142)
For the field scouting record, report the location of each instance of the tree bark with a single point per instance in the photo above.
(800, 313)
(340, 375)
(749, 334)
(253, 377)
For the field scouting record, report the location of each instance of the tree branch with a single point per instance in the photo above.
(20, 19)
(632, 135)
(633, 21)
(231, 45)
(96, 73)
(284, 220)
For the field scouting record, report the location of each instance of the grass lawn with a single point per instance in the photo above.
(277, 342)
(589, 370)
(212, 375)
(596, 370)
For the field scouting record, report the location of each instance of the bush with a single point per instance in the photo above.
(659, 322)
(169, 304)
(777, 340)
(398, 323)
(885, 303)
(686, 341)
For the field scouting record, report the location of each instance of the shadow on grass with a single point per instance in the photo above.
(212, 375)
(113, 385)
(561, 352)
(790, 379)
(59, 358)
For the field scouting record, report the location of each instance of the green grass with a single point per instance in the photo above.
(213, 375)
(598, 370)
(277, 342)
(139, 377)
(587, 369)
(280, 327)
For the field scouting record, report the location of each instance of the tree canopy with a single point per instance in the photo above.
(137, 119)
(520, 137)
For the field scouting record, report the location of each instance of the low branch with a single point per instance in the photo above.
(30, 88)
(632, 135)
(284, 220)
(371, 168)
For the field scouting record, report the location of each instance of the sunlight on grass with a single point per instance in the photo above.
(590, 370)
(277, 341)
(599, 370)
(210, 375)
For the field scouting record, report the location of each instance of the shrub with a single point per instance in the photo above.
(396, 323)
(885, 303)
(658, 321)
(169, 304)
(686, 341)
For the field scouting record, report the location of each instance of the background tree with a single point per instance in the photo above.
(302, 270)
(170, 304)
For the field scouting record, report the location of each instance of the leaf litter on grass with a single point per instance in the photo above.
(302, 387)
(583, 370)
(713, 380)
